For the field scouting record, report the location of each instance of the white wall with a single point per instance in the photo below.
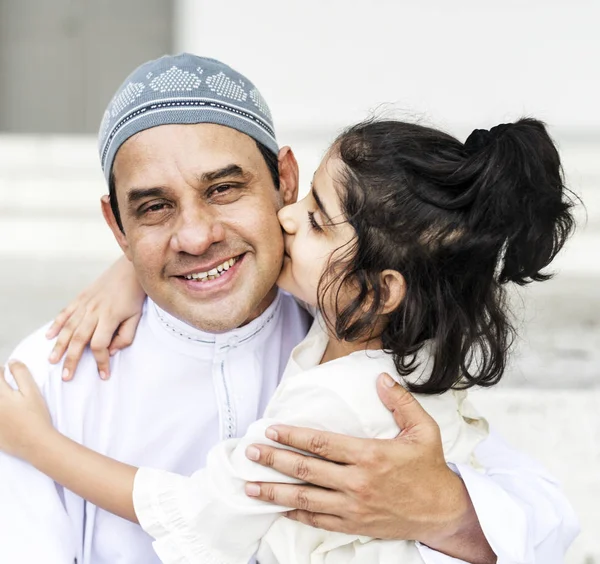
(460, 64)
(322, 64)
(469, 63)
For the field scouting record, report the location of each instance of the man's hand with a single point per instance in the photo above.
(24, 417)
(391, 489)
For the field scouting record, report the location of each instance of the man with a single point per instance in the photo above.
(196, 178)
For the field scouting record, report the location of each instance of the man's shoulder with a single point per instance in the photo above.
(34, 351)
(34, 345)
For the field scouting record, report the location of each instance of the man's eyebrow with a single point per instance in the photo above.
(137, 194)
(227, 171)
(320, 204)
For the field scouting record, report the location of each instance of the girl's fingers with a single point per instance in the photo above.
(23, 378)
(3, 383)
(99, 344)
(79, 339)
(61, 319)
(102, 362)
(125, 334)
(65, 335)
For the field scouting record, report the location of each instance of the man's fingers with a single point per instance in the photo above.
(302, 467)
(407, 411)
(23, 377)
(308, 498)
(332, 446)
(125, 334)
(319, 521)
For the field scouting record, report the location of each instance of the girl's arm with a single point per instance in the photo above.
(187, 515)
(205, 516)
(104, 316)
(26, 432)
(103, 481)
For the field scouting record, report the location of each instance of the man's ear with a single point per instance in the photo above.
(393, 290)
(289, 177)
(109, 217)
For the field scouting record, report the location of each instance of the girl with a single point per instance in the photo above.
(403, 246)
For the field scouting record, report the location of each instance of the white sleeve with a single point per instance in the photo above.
(208, 517)
(522, 511)
(34, 525)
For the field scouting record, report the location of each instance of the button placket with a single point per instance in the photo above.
(229, 417)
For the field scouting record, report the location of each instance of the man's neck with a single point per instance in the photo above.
(262, 307)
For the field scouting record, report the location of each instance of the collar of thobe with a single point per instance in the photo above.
(190, 340)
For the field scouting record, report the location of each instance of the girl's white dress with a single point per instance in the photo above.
(207, 518)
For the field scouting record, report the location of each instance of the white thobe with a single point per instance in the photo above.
(208, 517)
(174, 394)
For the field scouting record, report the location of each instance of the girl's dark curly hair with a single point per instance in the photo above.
(458, 221)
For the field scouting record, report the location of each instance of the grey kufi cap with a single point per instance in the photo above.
(183, 89)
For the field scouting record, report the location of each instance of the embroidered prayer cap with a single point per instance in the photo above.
(183, 89)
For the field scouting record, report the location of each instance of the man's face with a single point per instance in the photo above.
(199, 212)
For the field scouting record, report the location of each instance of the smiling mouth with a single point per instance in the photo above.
(213, 273)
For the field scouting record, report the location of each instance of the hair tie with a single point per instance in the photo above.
(498, 130)
(478, 139)
(481, 138)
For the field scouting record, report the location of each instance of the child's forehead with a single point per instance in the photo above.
(327, 190)
(329, 171)
(327, 178)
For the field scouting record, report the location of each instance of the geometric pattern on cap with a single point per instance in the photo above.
(126, 97)
(224, 86)
(175, 80)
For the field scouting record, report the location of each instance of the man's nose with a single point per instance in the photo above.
(286, 216)
(196, 230)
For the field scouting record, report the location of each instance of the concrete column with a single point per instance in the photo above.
(187, 26)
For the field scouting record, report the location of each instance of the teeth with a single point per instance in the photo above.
(198, 276)
(213, 272)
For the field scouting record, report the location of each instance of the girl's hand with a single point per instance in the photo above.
(26, 432)
(24, 417)
(105, 316)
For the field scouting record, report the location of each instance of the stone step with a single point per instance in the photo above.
(60, 175)
(562, 431)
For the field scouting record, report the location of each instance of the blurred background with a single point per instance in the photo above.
(321, 65)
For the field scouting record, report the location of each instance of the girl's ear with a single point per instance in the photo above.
(393, 290)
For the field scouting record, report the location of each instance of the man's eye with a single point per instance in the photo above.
(154, 208)
(222, 188)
